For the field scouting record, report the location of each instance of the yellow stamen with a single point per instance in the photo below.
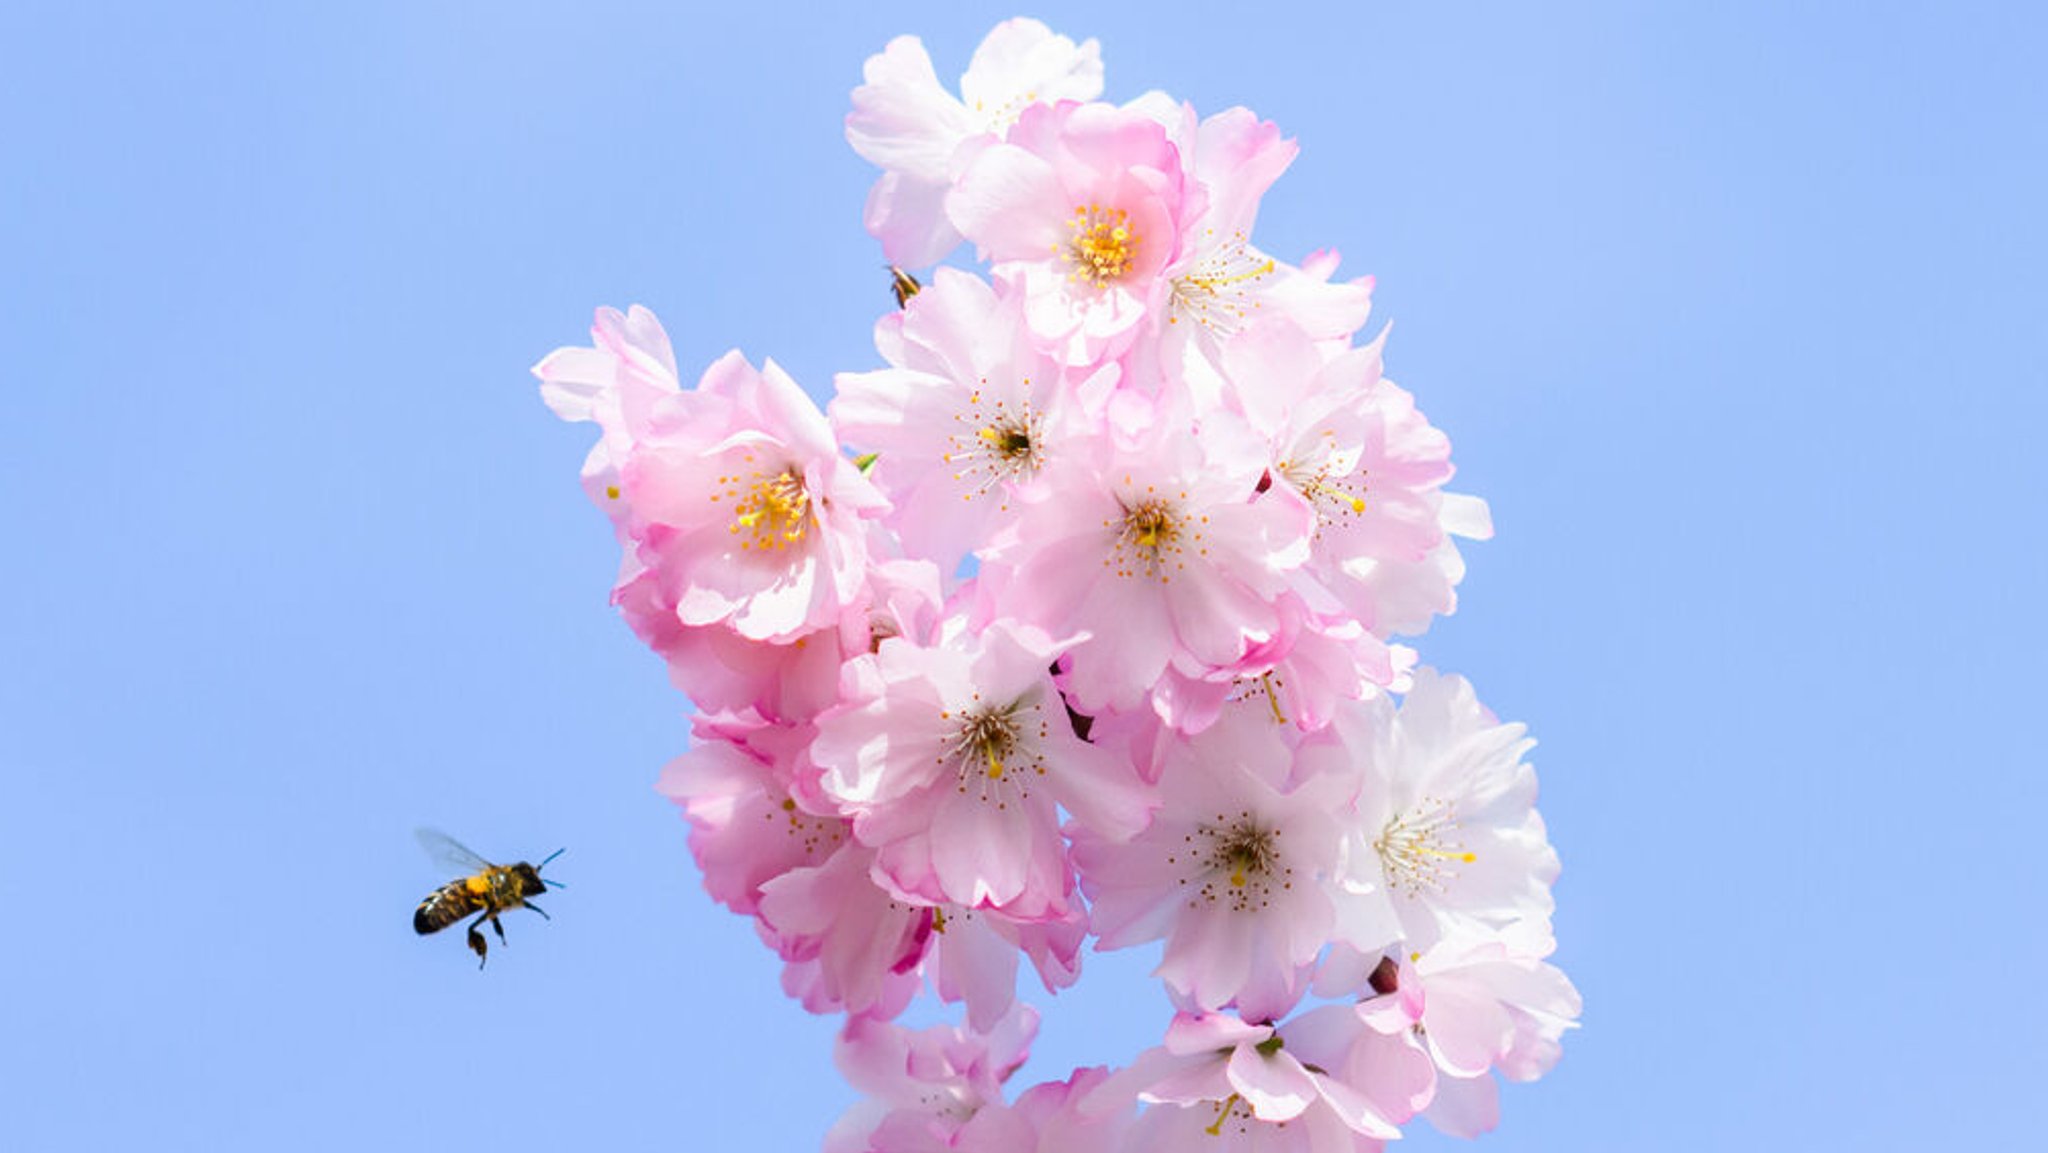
(1219, 291)
(776, 510)
(1103, 246)
(1272, 698)
(1414, 843)
(1222, 1114)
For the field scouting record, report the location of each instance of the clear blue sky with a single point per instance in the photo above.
(1734, 313)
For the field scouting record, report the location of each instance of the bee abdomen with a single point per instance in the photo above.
(442, 908)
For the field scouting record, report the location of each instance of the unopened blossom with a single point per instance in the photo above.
(954, 761)
(906, 123)
(1231, 872)
(1446, 835)
(965, 421)
(1085, 206)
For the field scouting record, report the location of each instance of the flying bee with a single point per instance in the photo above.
(903, 285)
(484, 889)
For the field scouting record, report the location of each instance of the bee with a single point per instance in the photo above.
(484, 889)
(903, 285)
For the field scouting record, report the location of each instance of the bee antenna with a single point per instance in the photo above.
(551, 856)
(552, 881)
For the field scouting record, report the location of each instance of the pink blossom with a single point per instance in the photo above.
(1085, 205)
(738, 785)
(1230, 872)
(1095, 637)
(1350, 445)
(1491, 1003)
(1057, 1122)
(1447, 836)
(1221, 282)
(974, 954)
(905, 123)
(1481, 1003)
(921, 1087)
(1298, 675)
(954, 760)
(965, 420)
(628, 371)
(1263, 1087)
(1161, 555)
(849, 946)
(739, 497)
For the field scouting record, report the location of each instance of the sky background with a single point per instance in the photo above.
(1734, 313)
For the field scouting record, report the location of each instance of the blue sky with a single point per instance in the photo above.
(1734, 314)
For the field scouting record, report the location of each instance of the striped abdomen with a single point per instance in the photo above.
(446, 905)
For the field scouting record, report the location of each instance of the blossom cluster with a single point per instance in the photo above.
(1075, 622)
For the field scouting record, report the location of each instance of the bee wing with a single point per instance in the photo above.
(450, 853)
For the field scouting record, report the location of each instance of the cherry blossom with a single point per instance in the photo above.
(1085, 206)
(1231, 871)
(966, 420)
(954, 761)
(1076, 623)
(1446, 833)
(1162, 555)
(922, 1087)
(905, 123)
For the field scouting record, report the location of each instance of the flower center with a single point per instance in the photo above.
(1417, 850)
(1238, 864)
(997, 443)
(990, 749)
(773, 512)
(1103, 245)
(816, 836)
(1329, 478)
(1230, 1107)
(1151, 535)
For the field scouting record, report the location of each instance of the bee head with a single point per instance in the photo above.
(530, 884)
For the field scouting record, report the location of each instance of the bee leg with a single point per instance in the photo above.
(476, 941)
(497, 928)
(536, 908)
